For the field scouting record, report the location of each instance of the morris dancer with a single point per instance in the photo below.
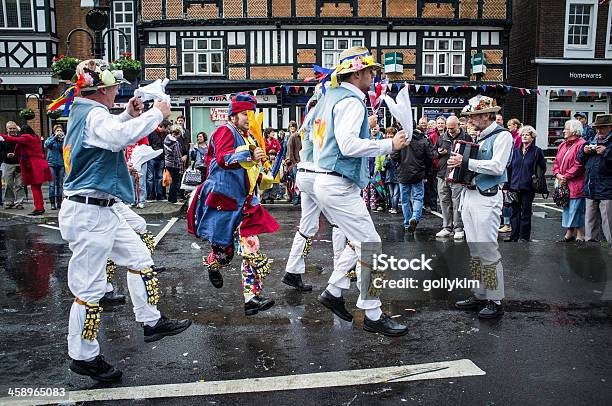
(481, 206)
(97, 177)
(309, 221)
(227, 205)
(342, 143)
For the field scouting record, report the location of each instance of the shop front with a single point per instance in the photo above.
(566, 89)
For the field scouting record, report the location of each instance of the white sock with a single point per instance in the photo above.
(334, 290)
(497, 302)
(90, 359)
(373, 314)
(151, 323)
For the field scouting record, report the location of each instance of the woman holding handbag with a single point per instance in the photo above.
(523, 167)
(173, 161)
(569, 179)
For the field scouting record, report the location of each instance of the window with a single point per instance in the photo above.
(580, 20)
(332, 47)
(609, 36)
(579, 24)
(202, 56)
(123, 15)
(16, 14)
(443, 57)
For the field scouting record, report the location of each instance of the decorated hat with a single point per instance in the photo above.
(94, 74)
(241, 102)
(480, 105)
(603, 120)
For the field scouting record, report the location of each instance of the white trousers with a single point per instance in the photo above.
(309, 225)
(481, 219)
(136, 222)
(94, 234)
(341, 199)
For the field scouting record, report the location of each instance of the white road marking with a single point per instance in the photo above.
(545, 205)
(153, 225)
(164, 230)
(51, 227)
(405, 373)
(436, 213)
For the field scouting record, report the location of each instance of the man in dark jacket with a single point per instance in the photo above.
(414, 163)
(449, 193)
(588, 133)
(155, 167)
(596, 156)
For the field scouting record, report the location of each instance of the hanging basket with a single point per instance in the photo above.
(130, 74)
(67, 74)
(26, 114)
(55, 114)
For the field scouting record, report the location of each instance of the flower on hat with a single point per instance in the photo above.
(107, 77)
(358, 63)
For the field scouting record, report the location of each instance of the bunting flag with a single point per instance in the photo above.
(273, 89)
(426, 87)
(255, 92)
(287, 87)
(418, 87)
(436, 88)
(445, 88)
(484, 88)
(297, 89)
(522, 90)
(399, 86)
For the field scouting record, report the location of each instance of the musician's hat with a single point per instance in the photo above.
(480, 105)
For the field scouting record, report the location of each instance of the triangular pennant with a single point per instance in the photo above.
(522, 91)
(494, 86)
(254, 92)
(287, 87)
(446, 88)
(273, 89)
(506, 88)
(570, 92)
(455, 87)
(484, 88)
(418, 87)
(465, 86)
(264, 91)
(436, 88)
(527, 91)
(426, 87)
(474, 87)
(399, 86)
(538, 92)
(296, 88)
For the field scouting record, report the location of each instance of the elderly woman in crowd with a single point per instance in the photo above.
(55, 159)
(569, 171)
(525, 159)
(33, 164)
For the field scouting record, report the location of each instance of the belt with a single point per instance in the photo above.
(92, 200)
(79, 301)
(332, 173)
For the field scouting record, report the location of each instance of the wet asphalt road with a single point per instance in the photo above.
(552, 346)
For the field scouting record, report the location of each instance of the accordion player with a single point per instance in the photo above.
(461, 174)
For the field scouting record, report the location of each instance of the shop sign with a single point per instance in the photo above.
(438, 101)
(575, 75)
(479, 63)
(394, 62)
(218, 113)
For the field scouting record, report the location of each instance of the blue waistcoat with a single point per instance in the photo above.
(485, 152)
(326, 152)
(89, 167)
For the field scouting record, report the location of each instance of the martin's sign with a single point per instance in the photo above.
(438, 101)
(575, 75)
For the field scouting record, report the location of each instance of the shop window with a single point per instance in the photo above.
(556, 123)
(443, 57)
(16, 14)
(332, 47)
(203, 56)
(123, 18)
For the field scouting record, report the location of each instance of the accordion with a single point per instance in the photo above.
(461, 174)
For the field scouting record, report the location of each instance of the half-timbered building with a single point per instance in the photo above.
(211, 48)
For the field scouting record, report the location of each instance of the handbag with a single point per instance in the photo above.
(510, 198)
(561, 194)
(167, 178)
(538, 180)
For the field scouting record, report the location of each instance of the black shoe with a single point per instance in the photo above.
(257, 304)
(215, 278)
(53, 206)
(335, 304)
(97, 369)
(112, 298)
(510, 239)
(470, 303)
(491, 311)
(385, 326)
(165, 327)
(37, 212)
(412, 225)
(158, 269)
(295, 281)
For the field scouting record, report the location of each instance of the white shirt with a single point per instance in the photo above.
(114, 133)
(502, 150)
(348, 117)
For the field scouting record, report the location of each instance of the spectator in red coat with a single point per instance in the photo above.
(271, 141)
(33, 164)
(514, 125)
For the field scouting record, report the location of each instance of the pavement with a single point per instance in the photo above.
(552, 346)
